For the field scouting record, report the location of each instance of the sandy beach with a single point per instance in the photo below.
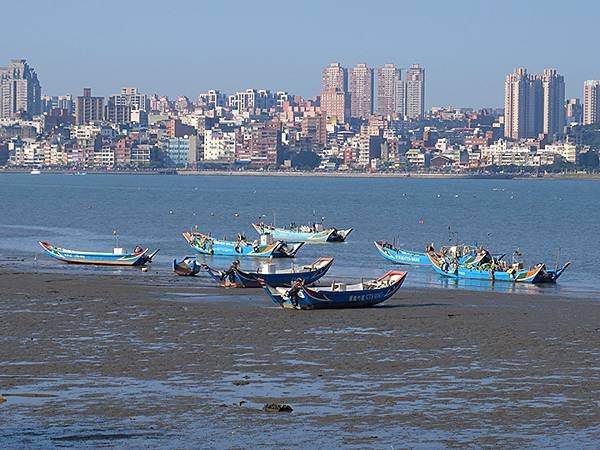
(161, 361)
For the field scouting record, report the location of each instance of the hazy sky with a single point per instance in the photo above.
(186, 46)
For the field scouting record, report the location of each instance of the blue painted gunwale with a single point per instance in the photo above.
(535, 275)
(207, 245)
(356, 296)
(244, 279)
(326, 235)
(109, 259)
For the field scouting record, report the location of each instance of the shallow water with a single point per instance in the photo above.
(545, 219)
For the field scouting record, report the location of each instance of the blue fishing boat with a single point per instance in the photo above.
(303, 233)
(273, 276)
(187, 267)
(118, 258)
(339, 295)
(265, 248)
(495, 271)
(464, 254)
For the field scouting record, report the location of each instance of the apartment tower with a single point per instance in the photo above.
(360, 86)
(414, 92)
(389, 91)
(20, 90)
(591, 102)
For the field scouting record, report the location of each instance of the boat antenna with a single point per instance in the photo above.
(116, 235)
(557, 258)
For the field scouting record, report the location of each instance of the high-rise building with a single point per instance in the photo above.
(87, 108)
(591, 102)
(389, 90)
(414, 92)
(119, 107)
(20, 90)
(265, 143)
(335, 104)
(533, 104)
(334, 76)
(523, 105)
(573, 111)
(360, 86)
(554, 102)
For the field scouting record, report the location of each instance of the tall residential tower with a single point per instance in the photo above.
(334, 76)
(20, 90)
(591, 102)
(360, 87)
(390, 91)
(415, 92)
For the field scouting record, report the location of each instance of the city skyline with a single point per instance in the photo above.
(462, 46)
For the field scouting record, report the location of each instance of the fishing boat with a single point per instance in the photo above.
(187, 267)
(266, 248)
(274, 277)
(119, 257)
(303, 233)
(339, 295)
(464, 254)
(496, 271)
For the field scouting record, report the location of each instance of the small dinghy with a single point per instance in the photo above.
(338, 295)
(237, 277)
(187, 267)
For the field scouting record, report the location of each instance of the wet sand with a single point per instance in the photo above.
(159, 361)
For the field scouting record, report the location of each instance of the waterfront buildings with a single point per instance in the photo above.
(360, 86)
(591, 102)
(87, 108)
(257, 128)
(20, 90)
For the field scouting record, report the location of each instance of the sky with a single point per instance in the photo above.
(185, 47)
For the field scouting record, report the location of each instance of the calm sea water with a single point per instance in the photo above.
(544, 219)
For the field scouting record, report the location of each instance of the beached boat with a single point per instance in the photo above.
(118, 258)
(274, 277)
(264, 248)
(187, 267)
(339, 295)
(464, 253)
(495, 271)
(304, 233)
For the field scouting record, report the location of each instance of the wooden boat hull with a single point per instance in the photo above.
(401, 256)
(98, 259)
(244, 279)
(412, 258)
(537, 275)
(316, 298)
(209, 246)
(284, 234)
(187, 267)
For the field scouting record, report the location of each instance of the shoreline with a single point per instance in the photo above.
(152, 361)
(294, 173)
